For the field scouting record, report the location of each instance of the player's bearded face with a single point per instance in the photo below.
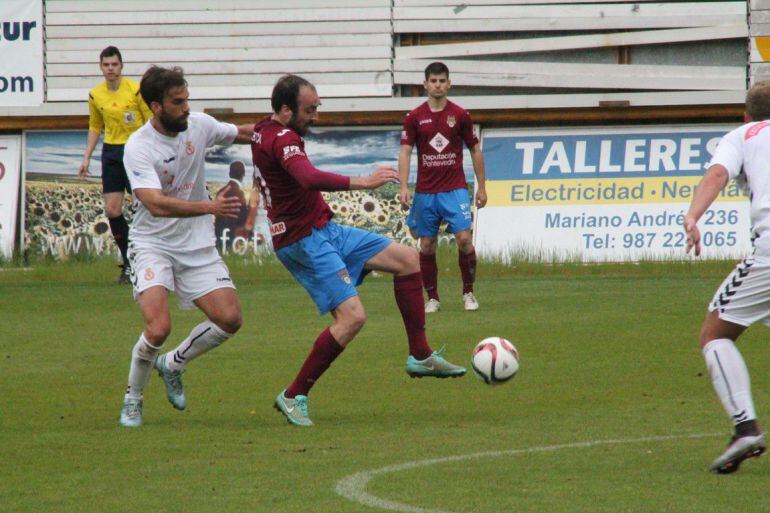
(173, 123)
(307, 110)
(300, 126)
(175, 110)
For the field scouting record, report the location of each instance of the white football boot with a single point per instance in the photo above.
(432, 306)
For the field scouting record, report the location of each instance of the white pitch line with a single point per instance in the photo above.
(353, 487)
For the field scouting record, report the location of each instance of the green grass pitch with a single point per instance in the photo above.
(612, 410)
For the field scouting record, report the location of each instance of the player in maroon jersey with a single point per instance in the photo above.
(439, 128)
(330, 260)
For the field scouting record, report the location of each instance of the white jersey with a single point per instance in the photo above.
(745, 153)
(175, 166)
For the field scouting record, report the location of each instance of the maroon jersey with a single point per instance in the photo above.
(293, 210)
(439, 138)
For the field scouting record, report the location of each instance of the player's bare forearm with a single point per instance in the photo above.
(707, 191)
(712, 183)
(245, 134)
(161, 205)
(477, 157)
(91, 141)
(404, 162)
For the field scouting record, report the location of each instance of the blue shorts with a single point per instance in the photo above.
(428, 210)
(329, 262)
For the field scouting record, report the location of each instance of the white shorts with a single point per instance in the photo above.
(190, 275)
(744, 296)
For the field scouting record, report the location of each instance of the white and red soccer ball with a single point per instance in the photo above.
(495, 360)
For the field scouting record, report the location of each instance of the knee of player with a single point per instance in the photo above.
(428, 245)
(353, 320)
(157, 332)
(230, 322)
(707, 334)
(464, 244)
(111, 210)
(411, 260)
(357, 320)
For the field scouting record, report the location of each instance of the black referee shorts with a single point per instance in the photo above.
(114, 177)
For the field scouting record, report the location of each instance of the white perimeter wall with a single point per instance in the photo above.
(508, 54)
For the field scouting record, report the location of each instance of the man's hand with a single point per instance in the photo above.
(693, 235)
(226, 206)
(83, 169)
(481, 197)
(381, 176)
(405, 197)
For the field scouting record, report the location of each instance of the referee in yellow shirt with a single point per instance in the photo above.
(116, 107)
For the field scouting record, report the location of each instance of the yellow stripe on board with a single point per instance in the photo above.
(597, 191)
(763, 47)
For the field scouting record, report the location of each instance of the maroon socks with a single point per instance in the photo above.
(408, 292)
(324, 352)
(429, 275)
(467, 270)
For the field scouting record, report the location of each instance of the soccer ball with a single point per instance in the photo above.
(495, 360)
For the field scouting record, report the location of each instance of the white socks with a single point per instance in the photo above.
(730, 378)
(204, 337)
(142, 360)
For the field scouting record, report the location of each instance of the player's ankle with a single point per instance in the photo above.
(748, 428)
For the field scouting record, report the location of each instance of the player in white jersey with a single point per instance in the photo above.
(172, 235)
(744, 297)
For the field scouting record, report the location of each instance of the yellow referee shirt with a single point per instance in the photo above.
(118, 113)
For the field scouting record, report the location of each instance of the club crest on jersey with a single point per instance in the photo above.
(129, 118)
(189, 148)
(148, 274)
(278, 228)
(451, 121)
(344, 276)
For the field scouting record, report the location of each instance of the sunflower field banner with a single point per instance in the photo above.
(64, 214)
(604, 194)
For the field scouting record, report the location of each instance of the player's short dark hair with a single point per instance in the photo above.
(237, 170)
(157, 82)
(286, 92)
(436, 68)
(110, 51)
(758, 101)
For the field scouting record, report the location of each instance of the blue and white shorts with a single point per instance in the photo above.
(428, 210)
(329, 263)
(744, 296)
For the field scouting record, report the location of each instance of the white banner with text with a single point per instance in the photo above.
(21, 48)
(604, 194)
